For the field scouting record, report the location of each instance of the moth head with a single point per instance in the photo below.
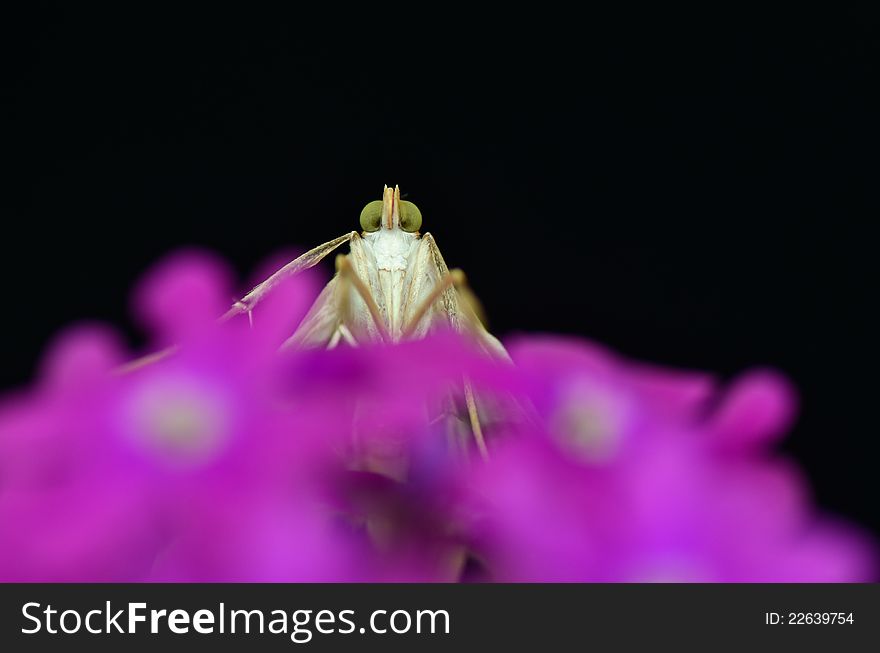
(391, 212)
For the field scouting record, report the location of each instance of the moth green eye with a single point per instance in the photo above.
(371, 216)
(410, 216)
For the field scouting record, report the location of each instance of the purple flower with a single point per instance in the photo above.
(651, 476)
(221, 458)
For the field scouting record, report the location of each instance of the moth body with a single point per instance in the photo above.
(392, 252)
(393, 285)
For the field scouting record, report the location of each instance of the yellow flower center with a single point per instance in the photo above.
(183, 423)
(588, 425)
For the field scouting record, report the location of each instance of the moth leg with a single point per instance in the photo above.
(473, 309)
(448, 280)
(143, 361)
(460, 319)
(468, 301)
(475, 419)
(445, 291)
(309, 259)
(447, 296)
(334, 339)
(342, 334)
(348, 274)
(458, 430)
(346, 335)
(326, 323)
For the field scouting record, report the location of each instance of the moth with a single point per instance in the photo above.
(393, 285)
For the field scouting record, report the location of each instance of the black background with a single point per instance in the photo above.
(693, 190)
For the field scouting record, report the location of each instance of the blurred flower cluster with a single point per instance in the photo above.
(222, 459)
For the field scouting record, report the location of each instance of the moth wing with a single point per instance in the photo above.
(453, 307)
(340, 314)
(321, 324)
(420, 279)
(356, 315)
